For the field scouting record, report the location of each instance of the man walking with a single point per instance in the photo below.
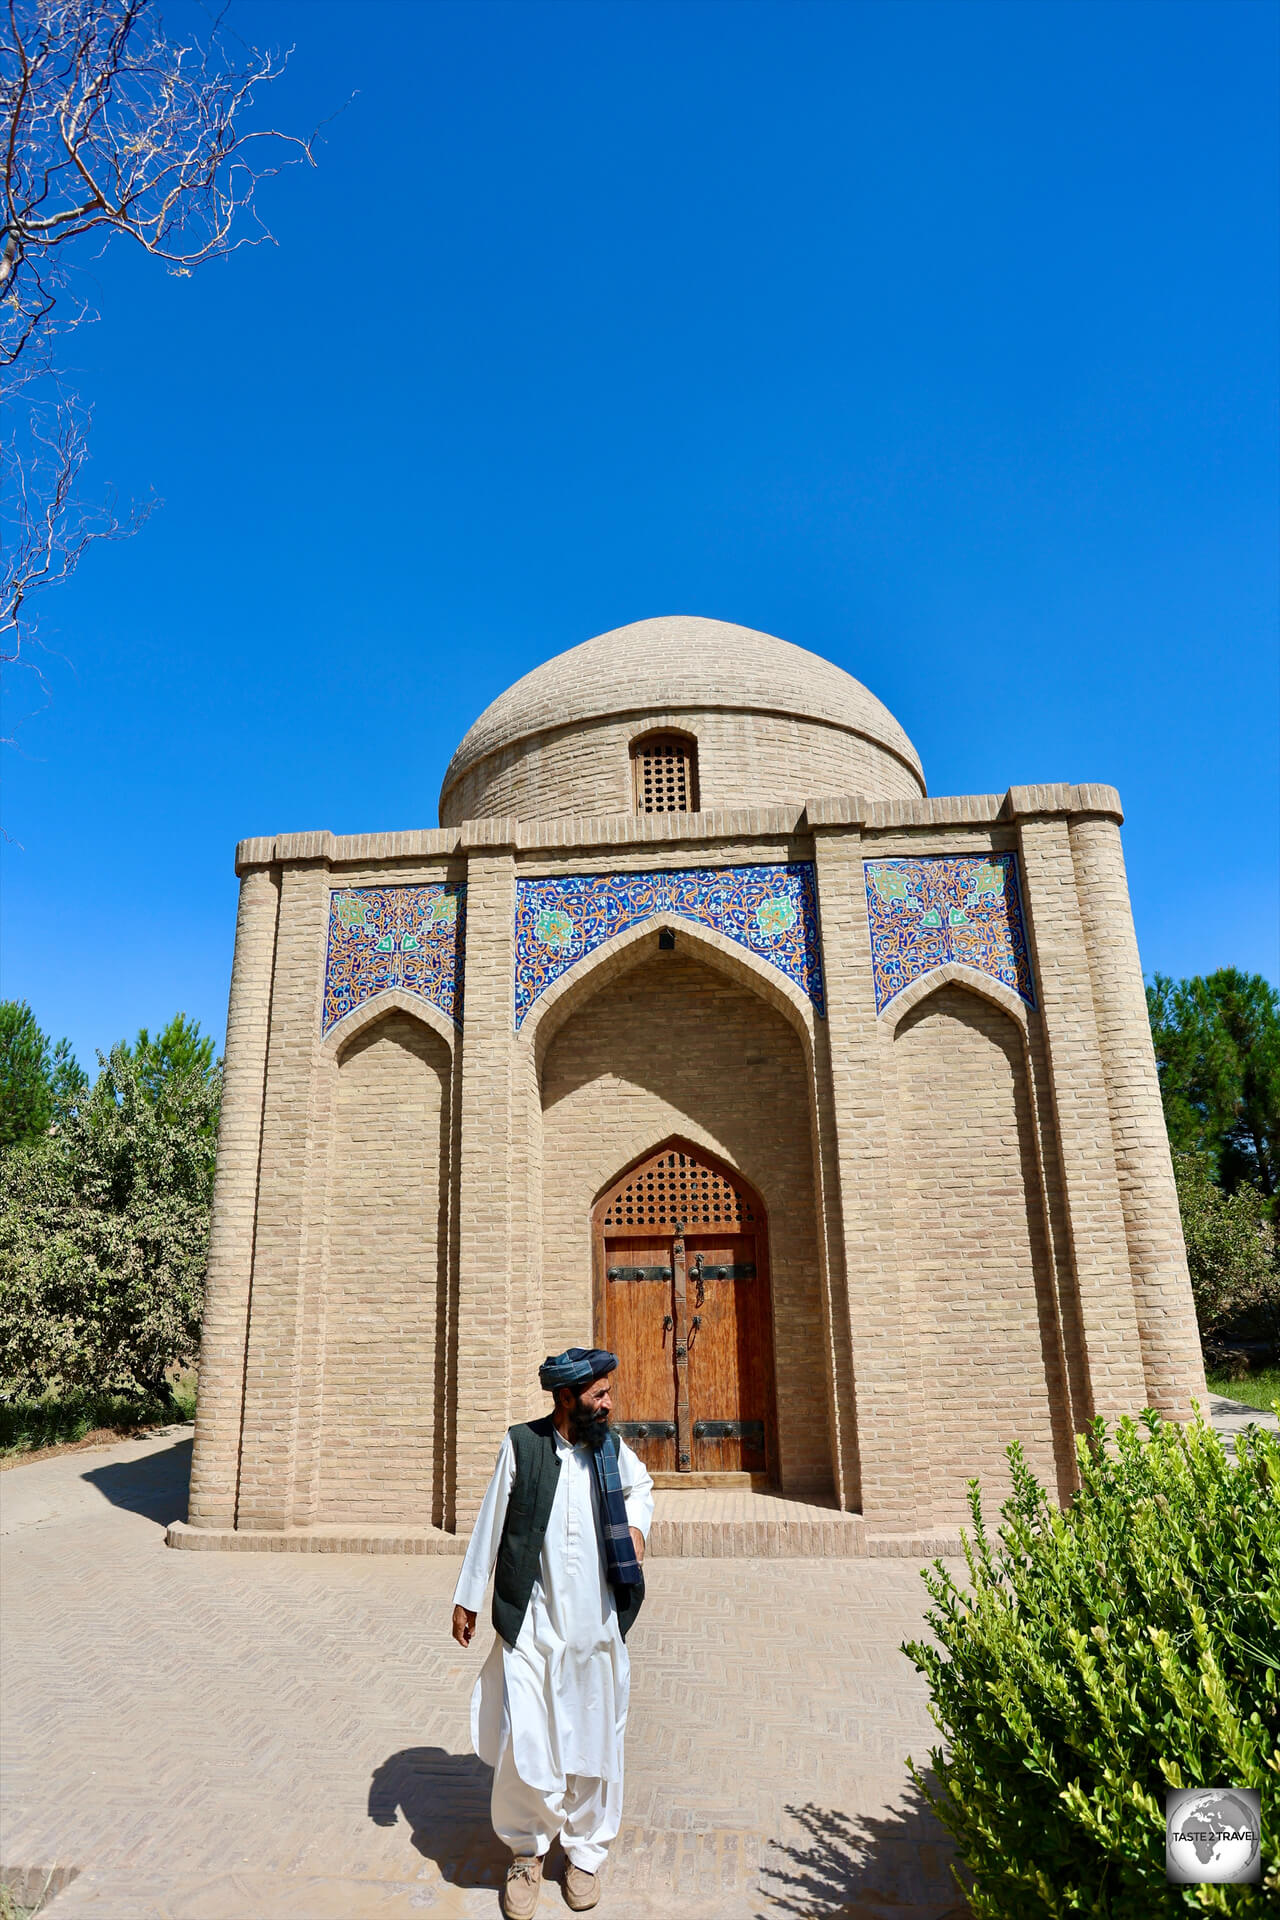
(565, 1519)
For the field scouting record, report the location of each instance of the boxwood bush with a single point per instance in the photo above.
(1100, 1655)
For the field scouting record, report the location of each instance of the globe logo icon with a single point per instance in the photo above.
(1213, 1834)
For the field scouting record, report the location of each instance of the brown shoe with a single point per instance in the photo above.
(581, 1889)
(520, 1894)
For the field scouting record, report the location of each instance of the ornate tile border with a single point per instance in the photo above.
(381, 937)
(772, 911)
(967, 908)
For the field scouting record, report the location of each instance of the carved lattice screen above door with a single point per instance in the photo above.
(676, 1186)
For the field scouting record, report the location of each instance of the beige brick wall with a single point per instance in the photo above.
(1172, 1359)
(672, 1047)
(491, 1290)
(1104, 1299)
(386, 1285)
(289, 1228)
(215, 1462)
(877, 1393)
(744, 760)
(971, 1224)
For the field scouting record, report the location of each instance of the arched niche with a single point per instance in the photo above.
(969, 1195)
(385, 1287)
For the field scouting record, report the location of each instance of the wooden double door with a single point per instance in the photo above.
(683, 1299)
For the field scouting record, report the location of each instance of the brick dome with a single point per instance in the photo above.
(773, 722)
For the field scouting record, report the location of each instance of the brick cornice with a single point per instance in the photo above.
(828, 813)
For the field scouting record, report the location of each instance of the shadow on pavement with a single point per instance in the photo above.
(895, 1866)
(155, 1486)
(445, 1798)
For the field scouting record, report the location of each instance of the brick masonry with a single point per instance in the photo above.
(971, 1203)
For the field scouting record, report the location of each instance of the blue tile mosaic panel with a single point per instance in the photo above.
(772, 911)
(381, 937)
(967, 908)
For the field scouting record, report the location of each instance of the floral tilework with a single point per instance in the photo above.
(769, 910)
(381, 937)
(967, 908)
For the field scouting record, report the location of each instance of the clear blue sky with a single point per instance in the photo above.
(938, 339)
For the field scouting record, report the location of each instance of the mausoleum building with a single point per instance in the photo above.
(699, 1031)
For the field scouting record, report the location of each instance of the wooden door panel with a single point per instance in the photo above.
(648, 1230)
(644, 1388)
(730, 1364)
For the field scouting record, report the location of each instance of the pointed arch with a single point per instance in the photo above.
(614, 956)
(954, 973)
(679, 1182)
(391, 1000)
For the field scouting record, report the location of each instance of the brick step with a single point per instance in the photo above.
(685, 1526)
(839, 1536)
(314, 1540)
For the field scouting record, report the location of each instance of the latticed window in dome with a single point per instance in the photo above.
(675, 1187)
(665, 771)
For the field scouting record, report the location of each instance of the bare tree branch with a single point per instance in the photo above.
(46, 525)
(112, 128)
(107, 128)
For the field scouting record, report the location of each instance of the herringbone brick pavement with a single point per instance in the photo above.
(285, 1737)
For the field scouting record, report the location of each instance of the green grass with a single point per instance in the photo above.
(50, 1422)
(1255, 1390)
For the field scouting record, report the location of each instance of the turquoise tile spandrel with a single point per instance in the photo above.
(385, 937)
(965, 908)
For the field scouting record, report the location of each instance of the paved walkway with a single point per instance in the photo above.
(281, 1737)
(1229, 1417)
(205, 1736)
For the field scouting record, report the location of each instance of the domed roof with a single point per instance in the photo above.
(677, 663)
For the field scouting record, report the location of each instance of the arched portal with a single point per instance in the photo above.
(681, 1258)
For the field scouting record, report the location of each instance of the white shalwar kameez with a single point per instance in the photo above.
(549, 1714)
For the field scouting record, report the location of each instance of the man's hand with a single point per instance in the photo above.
(464, 1625)
(637, 1541)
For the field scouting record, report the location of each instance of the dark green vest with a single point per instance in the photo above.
(525, 1529)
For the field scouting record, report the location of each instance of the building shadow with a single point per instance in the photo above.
(892, 1866)
(445, 1799)
(155, 1486)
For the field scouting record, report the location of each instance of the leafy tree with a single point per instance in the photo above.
(1217, 1042)
(39, 1085)
(104, 1228)
(1231, 1248)
(178, 1054)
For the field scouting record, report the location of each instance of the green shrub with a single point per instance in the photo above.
(1100, 1656)
(26, 1424)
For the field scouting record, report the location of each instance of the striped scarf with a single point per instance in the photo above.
(621, 1566)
